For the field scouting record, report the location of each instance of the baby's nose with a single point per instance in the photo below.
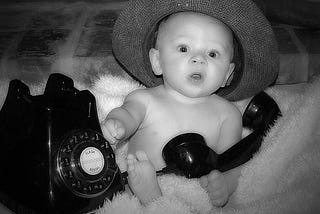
(198, 59)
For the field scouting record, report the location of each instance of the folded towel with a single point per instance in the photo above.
(282, 177)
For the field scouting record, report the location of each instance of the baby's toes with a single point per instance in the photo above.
(141, 156)
(219, 197)
(220, 202)
(131, 160)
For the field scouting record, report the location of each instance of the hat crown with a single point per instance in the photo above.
(257, 53)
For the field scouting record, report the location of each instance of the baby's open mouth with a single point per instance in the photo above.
(196, 76)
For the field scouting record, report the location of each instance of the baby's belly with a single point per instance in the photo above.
(153, 139)
(151, 145)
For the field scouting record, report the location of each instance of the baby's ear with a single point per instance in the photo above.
(229, 75)
(155, 62)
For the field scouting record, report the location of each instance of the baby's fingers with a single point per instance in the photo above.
(119, 130)
(111, 131)
(108, 136)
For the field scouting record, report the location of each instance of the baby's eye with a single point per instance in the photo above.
(213, 54)
(183, 48)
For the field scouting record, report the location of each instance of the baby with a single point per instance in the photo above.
(193, 53)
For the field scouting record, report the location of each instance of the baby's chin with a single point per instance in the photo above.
(194, 94)
(197, 91)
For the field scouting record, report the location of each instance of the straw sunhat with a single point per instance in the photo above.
(256, 54)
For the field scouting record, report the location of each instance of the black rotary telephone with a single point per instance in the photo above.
(55, 160)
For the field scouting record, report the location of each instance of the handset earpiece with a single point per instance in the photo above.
(188, 155)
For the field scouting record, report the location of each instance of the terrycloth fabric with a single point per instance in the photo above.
(283, 177)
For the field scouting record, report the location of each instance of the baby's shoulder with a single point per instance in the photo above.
(143, 95)
(225, 107)
(150, 92)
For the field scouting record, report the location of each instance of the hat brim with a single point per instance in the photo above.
(258, 53)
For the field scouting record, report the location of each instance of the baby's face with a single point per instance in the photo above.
(193, 53)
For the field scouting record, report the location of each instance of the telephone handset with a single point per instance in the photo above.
(188, 154)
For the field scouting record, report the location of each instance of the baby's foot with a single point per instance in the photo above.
(217, 187)
(142, 177)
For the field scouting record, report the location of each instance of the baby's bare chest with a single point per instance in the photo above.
(168, 122)
(164, 123)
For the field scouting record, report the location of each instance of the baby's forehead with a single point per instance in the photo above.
(182, 20)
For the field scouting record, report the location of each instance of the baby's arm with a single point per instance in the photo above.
(230, 128)
(123, 121)
(221, 185)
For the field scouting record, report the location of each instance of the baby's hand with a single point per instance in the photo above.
(216, 186)
(113, 130)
